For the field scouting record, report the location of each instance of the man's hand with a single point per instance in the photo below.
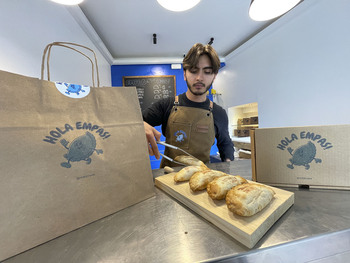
(152, 135)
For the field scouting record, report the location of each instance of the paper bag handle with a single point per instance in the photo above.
(47, 51)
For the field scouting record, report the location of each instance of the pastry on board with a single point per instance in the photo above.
(248, 199)
(218, 188)
(186, 173)
(200, 180)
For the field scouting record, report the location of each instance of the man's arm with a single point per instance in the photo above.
(226, 151)
(156, 114)
(224, 142)
(152, 136)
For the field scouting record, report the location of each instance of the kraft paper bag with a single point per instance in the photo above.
(66, 162)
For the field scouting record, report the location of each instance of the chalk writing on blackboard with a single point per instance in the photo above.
(151, 88)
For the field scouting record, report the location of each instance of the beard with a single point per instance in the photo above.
(198, 93)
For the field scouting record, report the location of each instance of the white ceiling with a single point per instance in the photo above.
(123, 29)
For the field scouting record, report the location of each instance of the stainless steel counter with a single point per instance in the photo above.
(159, 229)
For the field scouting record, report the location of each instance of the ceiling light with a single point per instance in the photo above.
(262, 10)
(178, 5)
(68, 2)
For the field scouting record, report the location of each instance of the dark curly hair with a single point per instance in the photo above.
(191, 59)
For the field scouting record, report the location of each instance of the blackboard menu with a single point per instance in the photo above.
(151, 88)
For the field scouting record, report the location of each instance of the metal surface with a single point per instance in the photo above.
(331, 247)
(162, 230)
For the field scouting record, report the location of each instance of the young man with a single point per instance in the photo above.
(191, 121)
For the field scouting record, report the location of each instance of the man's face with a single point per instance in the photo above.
(200, 78)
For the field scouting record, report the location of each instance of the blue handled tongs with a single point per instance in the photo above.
(176, 148)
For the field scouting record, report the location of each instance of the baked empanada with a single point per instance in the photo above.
(185, 173)
(218, 188)
(188, 160)
(200, 180)
(248, 199)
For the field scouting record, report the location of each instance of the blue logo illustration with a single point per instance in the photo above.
(80, 149)
(72, 90)
(180, 136)
(303, 156)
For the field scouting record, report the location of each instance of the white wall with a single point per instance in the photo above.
(298, 69)
(27, 26)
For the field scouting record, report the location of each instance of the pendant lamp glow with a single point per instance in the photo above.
(178, 5)
(68, 2)
(262, 10)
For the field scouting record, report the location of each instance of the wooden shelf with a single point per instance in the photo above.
(241, 142)
(249, 125)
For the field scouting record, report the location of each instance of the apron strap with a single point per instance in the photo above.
(176, 103)
(211, 104)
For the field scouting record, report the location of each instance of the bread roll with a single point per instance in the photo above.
(248, 199)
(218, 188)
(188, 160)
(200, 180)
(185, 173)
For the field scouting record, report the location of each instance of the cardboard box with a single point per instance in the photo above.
(241, 132)
(254, 120)
(312, 156)
(246, 121)
(245, 133)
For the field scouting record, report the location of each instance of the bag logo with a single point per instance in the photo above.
(72, 90)
(180, 136)
(80, 149)
(83, 146)
(306, 153)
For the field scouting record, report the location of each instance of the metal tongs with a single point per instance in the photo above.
(176, 148)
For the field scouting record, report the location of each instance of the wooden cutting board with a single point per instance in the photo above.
(246, 230)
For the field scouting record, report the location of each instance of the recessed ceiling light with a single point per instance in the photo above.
(262, 10)
(68, 2)
(178, 5)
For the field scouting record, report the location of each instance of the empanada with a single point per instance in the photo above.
(248, 199)
(200, 180)
(168, 170)
(188, 160)
(185, 173)
(218, 188)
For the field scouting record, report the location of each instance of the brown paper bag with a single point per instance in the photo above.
(66, 162)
